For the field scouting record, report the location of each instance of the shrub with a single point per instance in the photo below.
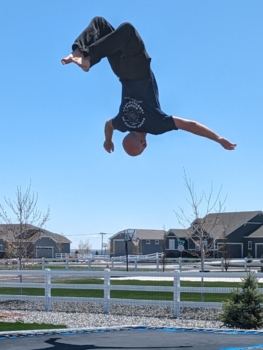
(249, 258)
(243, 309)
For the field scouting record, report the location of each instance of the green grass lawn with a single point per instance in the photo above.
(21, 326)
(127, 294)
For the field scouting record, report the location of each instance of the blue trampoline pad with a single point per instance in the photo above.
(134, 338)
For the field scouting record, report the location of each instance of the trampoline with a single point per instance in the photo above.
(131, 338)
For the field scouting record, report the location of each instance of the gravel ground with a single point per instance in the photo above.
(80, 315)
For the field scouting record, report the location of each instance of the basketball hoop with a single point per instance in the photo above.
(135, 241)
(129, 235)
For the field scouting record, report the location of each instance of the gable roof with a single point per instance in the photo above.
(215, 224)
(55, 236)
(256, 234)
(180, 233)
(218, 223)
(144, 234)
(7, 232)
(150, 234)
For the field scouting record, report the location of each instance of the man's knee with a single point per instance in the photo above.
(128, 27)
(98, 19)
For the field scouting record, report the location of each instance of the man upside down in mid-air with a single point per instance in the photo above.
(140, 112)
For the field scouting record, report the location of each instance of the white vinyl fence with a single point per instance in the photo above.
(153, 262)
(47, 280)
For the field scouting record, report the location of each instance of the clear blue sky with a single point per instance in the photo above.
(207, 57)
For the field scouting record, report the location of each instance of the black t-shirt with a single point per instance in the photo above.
(140, 108)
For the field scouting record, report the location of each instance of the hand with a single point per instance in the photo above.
(109, 146)
(226, 144)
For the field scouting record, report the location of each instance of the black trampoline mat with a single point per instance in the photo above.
(135, 339)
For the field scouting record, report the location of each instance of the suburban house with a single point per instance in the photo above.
(233, 233)
(32, 242)
(150, 241)
(242, 233)
(174, 238)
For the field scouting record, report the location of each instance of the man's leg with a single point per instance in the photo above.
(123, 47)
(125, 51)
(98, 28)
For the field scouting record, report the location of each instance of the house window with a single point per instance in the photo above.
(249, 245)
(205, 243)
(156, 241)
(1, 248)
(148, 241)
(171, 244)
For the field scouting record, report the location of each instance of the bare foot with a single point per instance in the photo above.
(77, 57)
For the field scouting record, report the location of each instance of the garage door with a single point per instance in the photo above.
(235, 250)
(44, 252)
(119, 248)
(258, 250)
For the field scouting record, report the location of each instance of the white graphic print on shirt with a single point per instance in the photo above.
(133, 114)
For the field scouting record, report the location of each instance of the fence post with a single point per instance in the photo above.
(222, 264)
(176, 299)
(107, 291)
(180, 264)
(43, 263)
(135, 264)
(112, 264)
(89, 264)
(246, 264)
(157, 264)
(47, 290)
(66, 263)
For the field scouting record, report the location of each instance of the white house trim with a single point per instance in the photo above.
(44, 247)
(44, 236)
(244, 224)
(256, 249)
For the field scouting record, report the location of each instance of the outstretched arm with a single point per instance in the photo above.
(108, 130)
(201, 130)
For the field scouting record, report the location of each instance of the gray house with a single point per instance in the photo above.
(32, 242)
(243, 233)
(233, 233)
(237, 233)
(150, 241)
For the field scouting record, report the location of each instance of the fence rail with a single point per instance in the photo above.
(8, 280)
(152, 261)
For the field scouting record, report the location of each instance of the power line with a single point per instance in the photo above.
(88, 234)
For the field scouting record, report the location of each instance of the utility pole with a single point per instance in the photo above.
(102, 234)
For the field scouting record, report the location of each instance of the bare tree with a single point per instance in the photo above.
(200, 225)
(26, 221)
(226, 256)
(108, 248)
(84, 247)
(223, 244)
(202, 228)
(59, 243)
